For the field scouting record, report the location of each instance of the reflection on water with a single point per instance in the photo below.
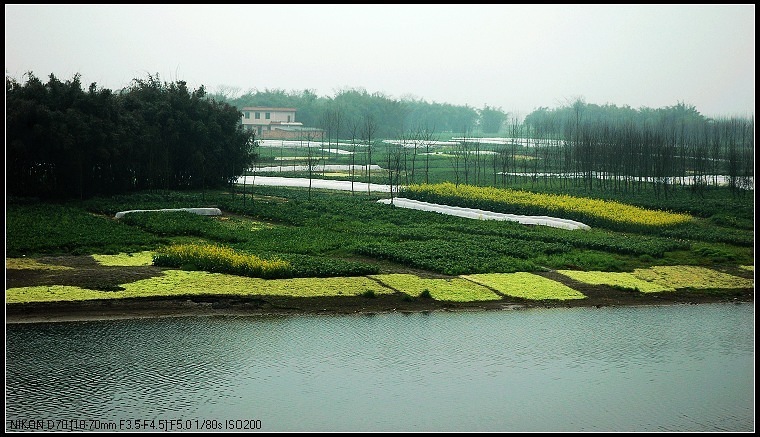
(672, 368)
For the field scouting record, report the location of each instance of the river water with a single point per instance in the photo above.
(658, 368)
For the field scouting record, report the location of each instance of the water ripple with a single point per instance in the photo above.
(677, 368)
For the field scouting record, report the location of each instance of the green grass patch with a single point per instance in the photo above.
(717, 253)
(750, 268)
(526, 285)
(62, 230)
(691, 277)
(584, 260)
(621, 280)
(144, 258)
(313, 266)
(704, 230)
(31, 264)
(54, 293)
(240, 225)
(203, 283)
(732, 221)
(453, 290)
(185, 283)
(184, 223)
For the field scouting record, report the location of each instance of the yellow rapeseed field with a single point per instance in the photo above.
(557, 203)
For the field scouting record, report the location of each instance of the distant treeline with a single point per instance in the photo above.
(624, 149)
(352, 107)
(613, 148)
(66, 142)
(63, 142)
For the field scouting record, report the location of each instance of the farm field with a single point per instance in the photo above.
(345, 252)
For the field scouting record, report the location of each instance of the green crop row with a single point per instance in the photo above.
(447, 257)
(323, 233)
(60, 229)
(179, 223)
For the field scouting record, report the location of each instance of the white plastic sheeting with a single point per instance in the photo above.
(480, 214)
(199, 211)
(277, 181)
(421, 143)
(338, 151)
(748, 183)
(298, 144)
(315, 168)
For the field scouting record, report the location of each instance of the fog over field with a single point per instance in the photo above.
(514, 57)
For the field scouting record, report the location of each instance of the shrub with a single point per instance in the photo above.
(218, 259)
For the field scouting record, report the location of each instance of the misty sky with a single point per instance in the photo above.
(513, 57)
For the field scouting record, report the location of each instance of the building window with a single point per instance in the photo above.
(266, 115)
(247, 114)
(257, 115)
(288, 119)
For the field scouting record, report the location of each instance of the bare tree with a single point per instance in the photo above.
(413, 143)
(495, 162)
(327, 122)
(426, 135)
(252, 143)
(337, 116)
(515, 133)
(456, 157)
(410, 144)
(748, 154)
(715, 151)
(312, 159)
(369, 128)
(463, 150)
(394, 155)
(228, 92)
(701, 162)
(354, 128)
(477, 162)
(732, 132)
(504, 155)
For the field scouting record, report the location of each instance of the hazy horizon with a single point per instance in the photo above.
(514, 57)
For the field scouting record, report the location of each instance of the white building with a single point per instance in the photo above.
(276, 123)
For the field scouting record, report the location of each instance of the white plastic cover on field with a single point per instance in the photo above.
(316, 168)
(199, 211)
(277, 181)
(480, 214)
